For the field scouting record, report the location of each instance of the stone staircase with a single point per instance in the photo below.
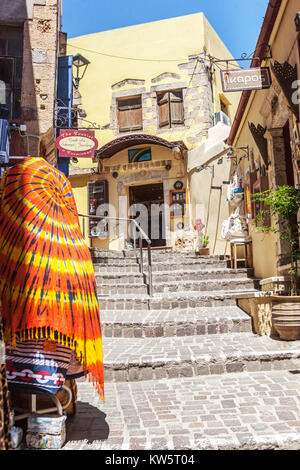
(189, 336)
(191, 326)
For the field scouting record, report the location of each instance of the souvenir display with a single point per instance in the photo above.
(47, 282)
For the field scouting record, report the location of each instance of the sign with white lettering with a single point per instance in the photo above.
(76, 143)
(258, 78)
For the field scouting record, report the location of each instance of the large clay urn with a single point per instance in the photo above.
(286, 316)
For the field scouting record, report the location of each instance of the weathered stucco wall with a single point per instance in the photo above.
(172, 54)
(39, 75)
(270, 109)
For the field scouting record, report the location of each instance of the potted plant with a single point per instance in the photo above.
(202, 244)
(283, 205)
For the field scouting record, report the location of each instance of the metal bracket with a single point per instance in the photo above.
(246, 57)
(63, 115)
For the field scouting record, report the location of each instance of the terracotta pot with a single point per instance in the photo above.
(203, 251)
(286, 316)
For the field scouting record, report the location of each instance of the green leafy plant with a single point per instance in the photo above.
(283, 204)
(204, 242)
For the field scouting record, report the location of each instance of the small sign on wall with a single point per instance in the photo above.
(257, 78)
(76, 143)
(139, 155)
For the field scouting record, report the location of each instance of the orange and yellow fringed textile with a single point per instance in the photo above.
(47, 281)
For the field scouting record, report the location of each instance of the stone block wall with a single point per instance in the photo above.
(194, 79)
(41, 44)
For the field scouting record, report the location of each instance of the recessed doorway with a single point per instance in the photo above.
(150, 214)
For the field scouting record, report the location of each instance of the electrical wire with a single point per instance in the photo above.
(123, 57)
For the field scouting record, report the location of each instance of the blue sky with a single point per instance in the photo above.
(237, 22)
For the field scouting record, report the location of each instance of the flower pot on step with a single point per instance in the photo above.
(203, 251)
(286, 316)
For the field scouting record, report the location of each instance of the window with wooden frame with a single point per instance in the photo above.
(130, 114)
(11, 61)
(170, 108)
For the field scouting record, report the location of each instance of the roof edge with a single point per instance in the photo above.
(263, 39)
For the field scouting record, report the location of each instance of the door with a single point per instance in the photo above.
(146, 206)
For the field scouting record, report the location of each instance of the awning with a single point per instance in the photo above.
(212, 147)
(121, 143)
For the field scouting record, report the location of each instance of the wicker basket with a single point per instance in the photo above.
(22, 400)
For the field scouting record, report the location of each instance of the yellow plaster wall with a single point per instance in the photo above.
(143, 52)
(138, 175)
(158, 47)
(264, 244)
(284, 46)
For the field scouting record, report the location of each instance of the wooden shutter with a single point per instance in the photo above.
(130, 115)
(163, 109)
(176, 107)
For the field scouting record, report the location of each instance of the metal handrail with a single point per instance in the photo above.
(142, 235)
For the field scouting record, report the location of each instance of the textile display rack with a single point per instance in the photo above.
(52, 327)
(59, 408)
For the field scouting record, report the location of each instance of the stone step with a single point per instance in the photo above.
(115, 277)
(116, 269)
(136, 359)
(164, 323)
(192, 275)
(134, 268)
(165, 265)
(207, 285)
(158, 268)
(247, 411)
(177, 286)
(155, 254)
(119, 289)
(180, 300)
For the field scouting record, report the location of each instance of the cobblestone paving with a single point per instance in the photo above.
(180, 377)
(259, 410)
(129, 359)
(175, 322)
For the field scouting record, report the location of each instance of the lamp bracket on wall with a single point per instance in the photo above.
(206, 167)
(64, 115)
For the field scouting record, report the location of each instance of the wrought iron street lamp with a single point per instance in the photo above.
(80, 65)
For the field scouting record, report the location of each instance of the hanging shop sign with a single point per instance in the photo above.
(76, 143)
(258, 78)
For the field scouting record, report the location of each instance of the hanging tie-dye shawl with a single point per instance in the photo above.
(47, 282)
